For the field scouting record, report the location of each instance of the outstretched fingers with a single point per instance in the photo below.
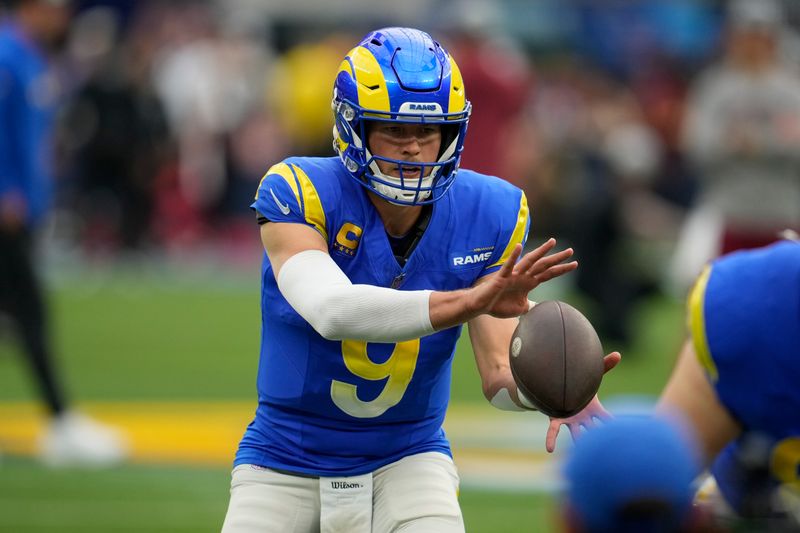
(508, 267)
(585, 420)
(554, 429)
(535, 255)
(555, 271)
(610, 361)
(552, 434)
(545, 263)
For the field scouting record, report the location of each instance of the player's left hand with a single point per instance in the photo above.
(585, 419)
(505, 294)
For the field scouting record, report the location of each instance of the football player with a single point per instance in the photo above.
(374, 259)
(737, 382)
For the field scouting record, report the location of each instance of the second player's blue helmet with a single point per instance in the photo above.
(399, 75)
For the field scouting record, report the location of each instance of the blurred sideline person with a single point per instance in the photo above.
(742, 132)
(633, 474)
(737, 382)
(374, 260)
(28, 94)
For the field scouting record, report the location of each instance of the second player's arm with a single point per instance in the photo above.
(689, 394)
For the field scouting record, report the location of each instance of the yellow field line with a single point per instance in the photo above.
(189, 433)
(207, 433)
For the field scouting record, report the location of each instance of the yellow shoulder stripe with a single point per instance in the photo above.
(304, 193)
(697, 325)
(283, 170)
(312, 205)
(519, 231)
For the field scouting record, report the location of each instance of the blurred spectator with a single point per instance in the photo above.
(302, 107)
(742, 131)
(661, 87)
(624, 36)
(210, 77)
(500, 82)
(598, 163)
(633, 474)
(117, 135)
(28, 96)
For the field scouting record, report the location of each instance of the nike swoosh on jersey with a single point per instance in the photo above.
(283, 207)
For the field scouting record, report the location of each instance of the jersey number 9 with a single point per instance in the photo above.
(399, 368)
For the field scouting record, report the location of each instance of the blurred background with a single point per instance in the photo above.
(651, 135)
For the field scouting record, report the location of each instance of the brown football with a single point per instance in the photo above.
(556, 358)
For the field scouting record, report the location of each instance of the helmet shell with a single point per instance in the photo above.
(399, 75)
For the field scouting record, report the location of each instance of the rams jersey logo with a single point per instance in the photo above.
(472, 257)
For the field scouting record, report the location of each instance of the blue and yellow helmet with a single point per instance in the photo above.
(399, 75)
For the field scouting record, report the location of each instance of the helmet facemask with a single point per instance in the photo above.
(433, 179)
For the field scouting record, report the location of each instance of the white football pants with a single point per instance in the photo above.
(418, 493)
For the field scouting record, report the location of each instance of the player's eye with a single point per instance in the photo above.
(395, 132)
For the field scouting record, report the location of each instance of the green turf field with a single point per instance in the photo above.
(173, 337)
(136, 499)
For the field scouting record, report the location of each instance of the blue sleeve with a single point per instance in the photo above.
(11, 133)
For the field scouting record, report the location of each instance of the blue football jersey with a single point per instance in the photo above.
(339, 408)
(745, 323)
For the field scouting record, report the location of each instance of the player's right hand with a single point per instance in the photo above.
(589, 415)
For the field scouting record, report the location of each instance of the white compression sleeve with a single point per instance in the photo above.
(321, 293)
